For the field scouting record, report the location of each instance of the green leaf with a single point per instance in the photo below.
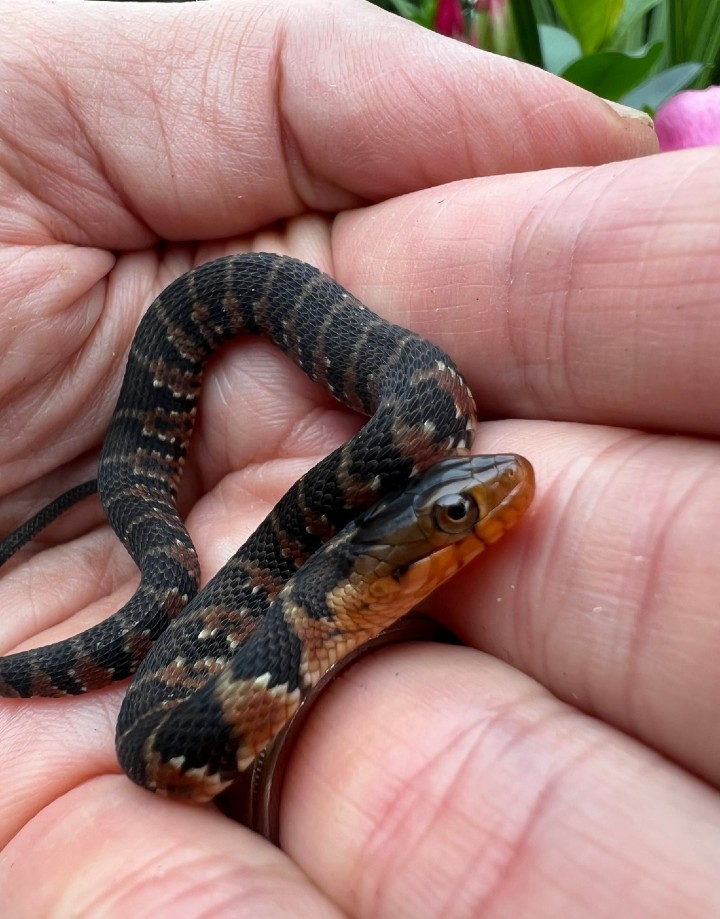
(591, 21)
(421, 11)
(559, 48)
(632, 13)
(653, 92)
(612, 74)
(694, 34)
(527, 31)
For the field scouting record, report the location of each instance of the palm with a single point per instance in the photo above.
(429, 772)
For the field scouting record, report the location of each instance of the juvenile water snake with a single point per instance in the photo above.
(320, 575)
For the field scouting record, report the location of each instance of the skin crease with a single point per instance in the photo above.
(565, 760)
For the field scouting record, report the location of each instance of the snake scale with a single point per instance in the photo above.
(363, 536)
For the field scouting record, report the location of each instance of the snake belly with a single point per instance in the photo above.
(421, 411)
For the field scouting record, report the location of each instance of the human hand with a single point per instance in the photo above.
(574, 298)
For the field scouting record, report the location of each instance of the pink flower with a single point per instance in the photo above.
(491, 27)
(449, 18)
(690, 119)
(496, 8)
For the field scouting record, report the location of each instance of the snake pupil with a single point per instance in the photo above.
(455, 513)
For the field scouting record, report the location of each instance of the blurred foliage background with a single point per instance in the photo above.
(639, 52)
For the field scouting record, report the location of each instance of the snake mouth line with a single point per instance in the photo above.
(510, 507)
(502, 488)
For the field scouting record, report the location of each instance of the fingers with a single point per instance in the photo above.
(110, 849)
(50, 748)
(585, 295)
(606, 592)
(386, 108)
(213, 120)
(452, 785)
(429, 780)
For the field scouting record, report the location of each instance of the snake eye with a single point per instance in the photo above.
(455, 513)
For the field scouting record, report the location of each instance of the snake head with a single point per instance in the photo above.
(408, 544)
(478, 497)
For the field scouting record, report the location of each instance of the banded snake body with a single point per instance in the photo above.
(352, 546)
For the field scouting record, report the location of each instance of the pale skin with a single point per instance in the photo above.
(564, 762)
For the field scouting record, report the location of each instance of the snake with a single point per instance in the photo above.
(352, 546)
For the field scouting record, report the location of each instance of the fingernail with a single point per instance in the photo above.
(624, 111)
